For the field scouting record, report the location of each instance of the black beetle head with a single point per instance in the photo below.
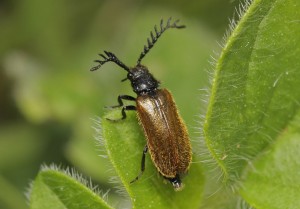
(141, 80)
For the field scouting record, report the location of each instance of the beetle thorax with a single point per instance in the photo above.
(141, 80)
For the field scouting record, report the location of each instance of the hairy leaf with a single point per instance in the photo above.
(275, 181)
(256, 87)
(55, 189)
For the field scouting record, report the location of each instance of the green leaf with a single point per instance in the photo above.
(125, 141)
(55, 189)
(255, 96)
(275, 181)
(255, 91)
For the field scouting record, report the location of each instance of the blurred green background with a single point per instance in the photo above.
(49, 98)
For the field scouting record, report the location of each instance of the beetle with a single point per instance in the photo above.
(166, 134)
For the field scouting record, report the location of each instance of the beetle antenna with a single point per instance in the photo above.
(110, 57)
(158, 33)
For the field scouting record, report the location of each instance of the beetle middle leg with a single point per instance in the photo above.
(124, 108)
(142, 165)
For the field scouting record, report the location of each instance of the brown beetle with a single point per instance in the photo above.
(167, 137)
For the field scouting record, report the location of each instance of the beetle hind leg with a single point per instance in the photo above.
(142, 165)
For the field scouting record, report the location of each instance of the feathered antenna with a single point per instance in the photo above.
(110, 57)
(157, 35)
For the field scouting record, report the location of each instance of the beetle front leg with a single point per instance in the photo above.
(124, 108)
(129, 107)
(122, 97)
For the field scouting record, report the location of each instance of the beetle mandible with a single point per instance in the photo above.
(166, 134)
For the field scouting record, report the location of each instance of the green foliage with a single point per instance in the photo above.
(274, 182)
(254, 101)
(152, 190)
(251, 127)
(55, 189)
(48, 94)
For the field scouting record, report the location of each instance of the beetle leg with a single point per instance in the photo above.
(123, 97)
(121, 104)
(129, 107)
(142, 164)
